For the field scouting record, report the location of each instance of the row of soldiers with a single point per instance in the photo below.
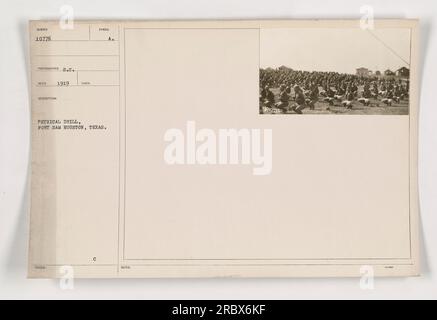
(267, 98)
(334, 85)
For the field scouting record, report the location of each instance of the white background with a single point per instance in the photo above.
(14, 150)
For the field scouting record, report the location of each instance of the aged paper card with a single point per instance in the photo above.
(224, 148)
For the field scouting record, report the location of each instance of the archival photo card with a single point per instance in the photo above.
(150, 157)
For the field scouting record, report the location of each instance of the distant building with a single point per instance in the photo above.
(363, 72)
(284, 68)
(403, 72)
(377, 73)
(388, 72)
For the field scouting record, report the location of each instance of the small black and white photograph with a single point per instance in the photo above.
(334, 71)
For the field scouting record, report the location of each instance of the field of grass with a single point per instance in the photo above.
(322, 107)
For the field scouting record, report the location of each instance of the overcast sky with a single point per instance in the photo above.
(341, 50)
